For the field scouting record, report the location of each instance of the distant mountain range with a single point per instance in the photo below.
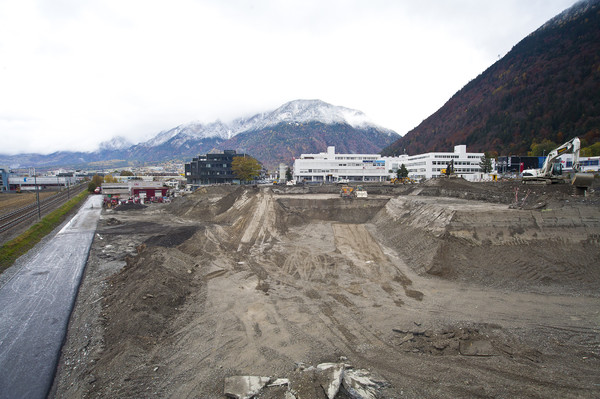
(546, 88)
(300, 126)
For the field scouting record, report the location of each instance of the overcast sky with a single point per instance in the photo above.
(74, 73)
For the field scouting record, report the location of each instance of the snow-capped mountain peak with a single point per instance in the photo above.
(116, 143)
(304, 111)
(297, 111)
(316, 110)
(194, 130)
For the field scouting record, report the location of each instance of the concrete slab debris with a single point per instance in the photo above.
(359, 384)
(279, 382)
(244, 386)
(330, 376)
(326, 378)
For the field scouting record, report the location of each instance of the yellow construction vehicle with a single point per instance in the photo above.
(448, 171)
(347, 192)
(351, 192)
(402, 180)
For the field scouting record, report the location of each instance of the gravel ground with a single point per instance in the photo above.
(439, 289)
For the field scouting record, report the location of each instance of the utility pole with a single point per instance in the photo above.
(37, 194)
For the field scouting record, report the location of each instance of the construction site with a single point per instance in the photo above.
(442, 289)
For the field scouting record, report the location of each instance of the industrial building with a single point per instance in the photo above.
(144, 190)
(516, 164)
(586, 164)
(211, 168)
(32, 183)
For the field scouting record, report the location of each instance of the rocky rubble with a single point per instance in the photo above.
(326, 380)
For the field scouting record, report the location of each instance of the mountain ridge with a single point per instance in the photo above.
(194, 138)
(547, 88)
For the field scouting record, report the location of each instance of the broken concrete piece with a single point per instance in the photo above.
(407, 337)
(279, 382)
(330, 377)
(359, 385)
(244, 386)
(477, 347)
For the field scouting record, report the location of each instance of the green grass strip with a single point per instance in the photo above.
(10, 251)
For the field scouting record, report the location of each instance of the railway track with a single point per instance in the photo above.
(13, 219)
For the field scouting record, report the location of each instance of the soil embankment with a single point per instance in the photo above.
(439, 290)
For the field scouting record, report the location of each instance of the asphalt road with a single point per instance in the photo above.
(36, 303)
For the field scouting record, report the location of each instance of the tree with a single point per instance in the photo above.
(486, 163)
(288, 174)
(96, 182)
(126, 173)
(245, 168)
(402, 172)
(541, 149)
(592, 150)
(110, 179)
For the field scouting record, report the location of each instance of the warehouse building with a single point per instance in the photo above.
(144, 190)
(32, 183)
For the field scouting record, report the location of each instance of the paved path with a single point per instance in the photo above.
(36, 303)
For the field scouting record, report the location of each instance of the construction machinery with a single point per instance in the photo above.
(402, 180)
(360, 192)
(347, 192)
(351, 193)
(551, 170)
(448, 171)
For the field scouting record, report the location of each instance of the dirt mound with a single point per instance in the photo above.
(206, 202)
(129, 207)
(493, 245)
(508, 192)
(137, 316)
(171, 237)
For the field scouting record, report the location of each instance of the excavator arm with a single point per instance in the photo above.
(571, 146)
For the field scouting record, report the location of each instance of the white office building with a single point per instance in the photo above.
(332, 167)
(429, 165)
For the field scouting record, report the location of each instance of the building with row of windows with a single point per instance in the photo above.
(329, 167)
(332, 167)
(429, 165)
(211, 169)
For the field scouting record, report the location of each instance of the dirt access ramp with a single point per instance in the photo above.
(230, 282)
